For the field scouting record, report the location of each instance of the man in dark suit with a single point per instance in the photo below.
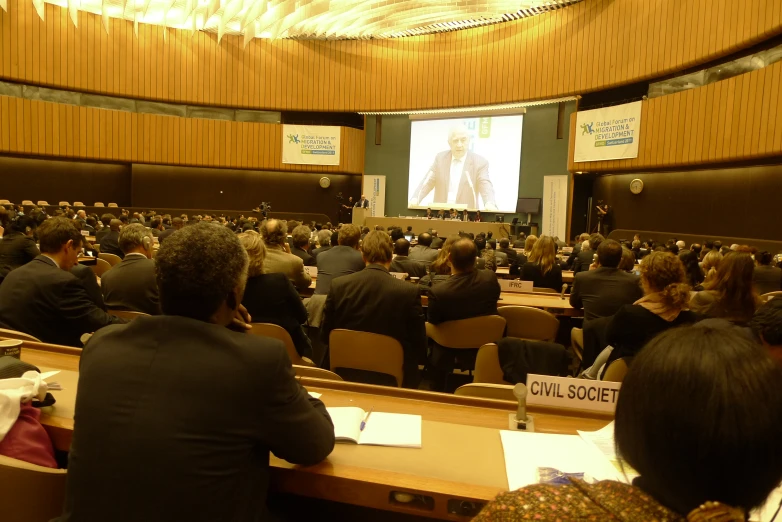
(373, 301)
(44, 299)
(363, 202)
(156, 226)
(324, 242)
(602, 291)
(340, 260)
(576, 250)
(457, 175)
(110, 242)
(519, 243)
(402, 263)
(437, 242)
(177, 223)
(585, 258)
(105, 220)
(509, 252)
(208, 444)
(300, 242)
(423, 251)
(130, 285)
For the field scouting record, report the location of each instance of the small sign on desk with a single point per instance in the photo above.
(578, 394)
(509, 285)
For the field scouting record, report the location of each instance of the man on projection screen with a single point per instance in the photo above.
(457, 175)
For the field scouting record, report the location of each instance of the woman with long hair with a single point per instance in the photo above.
(692, 269)
(542, 267)
(711, 261)
(440, 269)
(730, 294)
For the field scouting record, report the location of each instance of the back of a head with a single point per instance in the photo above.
(301, 236)
(595, 240)
(23, 224)
(712, 260)
(733, 282)
(107, 218)
(274, 231)
(709, 244)
(504, 243)
(681, 244)
(156, 222)
(334, 237)
(401, 247)
(583, 237)
(717, 245)
(766, 324)
(529, 243)
(698, 418)
(177, 223)
(609, 253)
(692, 267)
(544, 253)
(463, 254)
(197, 270)
(53, 234)
(480, 243)
(628, 260)
(324, 238)
(349, 235)
(397, 233)
(425, 239)
(764, 258)
(697, 248)
(256, 252)
(377, 247)
(132, 237)
(115, 225)
(663, 272)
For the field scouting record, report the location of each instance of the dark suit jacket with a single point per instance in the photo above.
(166, 234)
(272, 298)
(475, 181)
(110, 245)
(304, 255)
(50, 304)
(601, 292)
(437, 243)
(423, 253)
(519, 243)
(374, 301)
(362, 203)
(100, 234)
(767, 279)
(131, 285)
(553, 279)
(16, 250)
(316, 251)
(413, 267)
(464, 295)
(148, 400)
(572, 257)
(583, 260)
(336, 262)
(90, 282)
(513, 256)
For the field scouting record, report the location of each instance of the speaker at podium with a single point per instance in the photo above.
(360, 215)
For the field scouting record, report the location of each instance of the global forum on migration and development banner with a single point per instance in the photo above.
(310, 145)
(609, 133)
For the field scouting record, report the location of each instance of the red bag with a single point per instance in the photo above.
(27, 440)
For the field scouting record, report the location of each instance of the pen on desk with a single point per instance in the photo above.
(366, 419)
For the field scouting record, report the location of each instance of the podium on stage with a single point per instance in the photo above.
(360, 215)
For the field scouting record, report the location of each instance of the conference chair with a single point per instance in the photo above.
(577, 347)
(27, 203)
(78, 204)
(64, 204)
(43, 203)
(14, 334)
(127, 314)
(278, 332)
(769, 296)
(5, 202)
(111, 259)
(100, 267)
(351, 349)
(487, 366)
(315, 373)
(98, 204)
(529, 323)
(113, 205)
(30, 493)
(502, 392)
(617, 370)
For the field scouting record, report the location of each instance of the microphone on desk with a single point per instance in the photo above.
(564, 287)
(520, 420)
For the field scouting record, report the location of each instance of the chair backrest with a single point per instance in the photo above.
(113, 205)
(278, 332)
(43, 203)
(111, 259)
(126, 314)
(503, 392)
(529, 323)
(315, 373)
(64, 204)
(769, 296)
(616, 371)
(30, 492)
(487, 365)
(14, 334)
(467, 333)
(98, 204)
(27, 202)
(78, 204)
(100, 267)
(366, 351)
(5, 202)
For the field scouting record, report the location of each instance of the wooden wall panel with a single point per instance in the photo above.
(29, 127)
(733, 120)
(592, 45)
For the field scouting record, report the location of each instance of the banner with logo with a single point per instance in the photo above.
(609, 133)
(555, 206)
(310, 144)
(375, 191)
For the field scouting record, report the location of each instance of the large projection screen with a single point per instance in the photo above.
(470, 163)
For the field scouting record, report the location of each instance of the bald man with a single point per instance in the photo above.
(278, 256)
(363, 202)
(458, 176)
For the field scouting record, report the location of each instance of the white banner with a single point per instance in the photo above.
(609, 133)
(555, 206)
(310, 145)
(578, 394)
(375, 191)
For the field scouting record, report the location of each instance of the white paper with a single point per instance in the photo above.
(315, 395)
(766, 513)
(392, 429)
(602, 441)
(347, 422)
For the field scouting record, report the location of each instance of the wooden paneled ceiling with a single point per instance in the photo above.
(309, 19)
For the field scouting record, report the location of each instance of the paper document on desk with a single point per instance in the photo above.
(382, 429)
(603, 442)
(526, 452)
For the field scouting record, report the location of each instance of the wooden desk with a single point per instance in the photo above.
(550, 302)
(503, 272)
(87, 260)
(461, 459)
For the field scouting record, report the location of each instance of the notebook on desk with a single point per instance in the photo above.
(382, 429)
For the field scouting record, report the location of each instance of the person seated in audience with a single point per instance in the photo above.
(542, 267)
(529, 244)
(500, 257)
(130, 284)
(767, 277)
(710, 263)
(156, 226)
(110, 242)
(89, 225)
(91, 284)
(602, 291)
(627, 264)
(324, 243)
(278, 256)
(766, 324)
(511, 254)
(437, 242)
(487, 259)
(371, 300)
(18, 245)
(272, 298)
(396, 233)
(423, 251)
(340, 260)
(5, 220)
(519, 243)
(637, 250)
(717, 245)
(697, 418)
(440, 269)
(693, 270)
(586, 257)
(176, 224)
(300, 242)
(576, 250)
(697, 248)
(147, 400)
(44, 299)
(409, 232)
(402, 263)
(730, 294)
